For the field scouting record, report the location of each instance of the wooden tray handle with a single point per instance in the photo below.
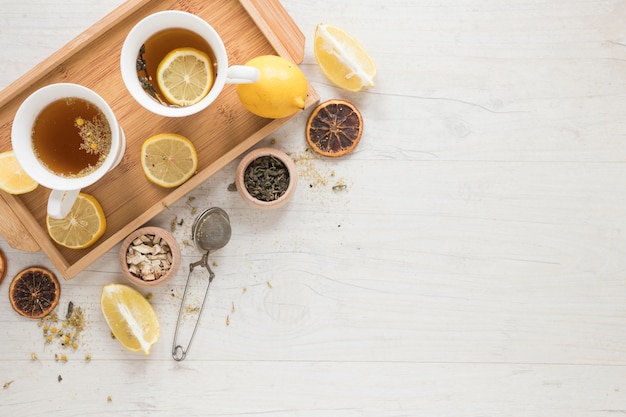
(13, 229)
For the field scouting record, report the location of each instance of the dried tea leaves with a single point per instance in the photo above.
(266, 178)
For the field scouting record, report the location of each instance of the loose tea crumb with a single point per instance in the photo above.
(7, 384)
(339, 187)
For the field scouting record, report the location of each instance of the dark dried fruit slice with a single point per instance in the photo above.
(3, 266)
(334, 128)
(34, 292)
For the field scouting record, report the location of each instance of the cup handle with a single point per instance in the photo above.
(242, 74)
(60, 202)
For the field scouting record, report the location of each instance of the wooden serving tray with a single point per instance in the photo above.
(220, 133)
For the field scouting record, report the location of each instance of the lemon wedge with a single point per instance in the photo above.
(342, 59)
(130, 317)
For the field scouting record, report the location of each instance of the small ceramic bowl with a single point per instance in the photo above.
(248, 160)
(150, 256)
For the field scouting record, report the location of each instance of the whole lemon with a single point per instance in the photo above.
(280, 91)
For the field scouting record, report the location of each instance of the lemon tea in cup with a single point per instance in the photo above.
(66, 137)
(71, 137)
(157, 36)
(156, 48)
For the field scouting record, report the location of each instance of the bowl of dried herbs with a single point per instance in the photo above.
(149, 256)
(266, 178)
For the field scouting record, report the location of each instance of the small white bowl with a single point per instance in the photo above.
(240, 178)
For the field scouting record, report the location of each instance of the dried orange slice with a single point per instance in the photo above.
(3, 266)
(34, 292)
(334, 128)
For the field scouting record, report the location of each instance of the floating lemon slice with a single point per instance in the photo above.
(82, 227)
(185, 76)
(13, 179)
(343, 59)
(130, 317)
(168, 159)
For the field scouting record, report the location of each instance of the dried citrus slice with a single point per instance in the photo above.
(185, 76)
(34, 292)
(130, 317)
(343, 59)
(3, 266)
(168, 159)
(82, 227)
(13, 178)
(334, 128)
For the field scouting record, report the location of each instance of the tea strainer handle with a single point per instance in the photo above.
(178, 351)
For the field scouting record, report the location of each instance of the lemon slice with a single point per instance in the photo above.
(168, 159)
(342, 59)
(185, 76)
(13, 179)
(82, 227)
(130, 317)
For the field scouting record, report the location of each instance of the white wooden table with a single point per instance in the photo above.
(473, 266)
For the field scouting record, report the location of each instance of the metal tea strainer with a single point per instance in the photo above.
(210, 231)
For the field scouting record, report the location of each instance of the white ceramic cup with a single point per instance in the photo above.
(172, 19)
(64, 189)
